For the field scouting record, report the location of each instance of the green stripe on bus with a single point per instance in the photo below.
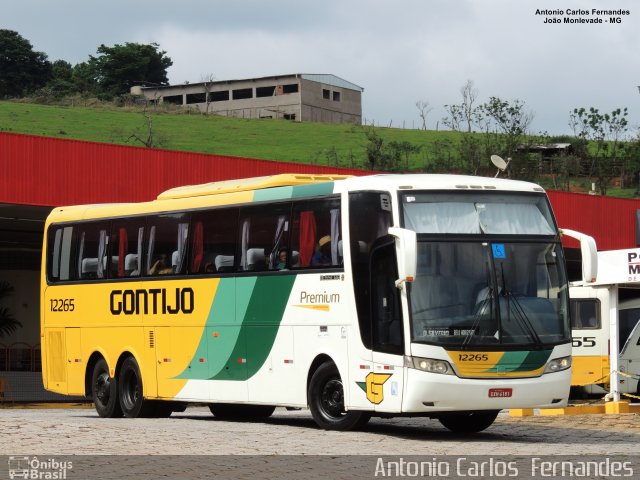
(220, 334)
(534, 360)
(313, 190)
(298, 191)
(523, 361)
(259, 326)
(270, 194)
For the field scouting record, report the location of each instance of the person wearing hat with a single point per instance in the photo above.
(322, 255)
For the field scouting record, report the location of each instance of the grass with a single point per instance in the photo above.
(265, 139)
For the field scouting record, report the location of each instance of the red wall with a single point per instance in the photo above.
(52, 172)
(49, 171)
(611, 221)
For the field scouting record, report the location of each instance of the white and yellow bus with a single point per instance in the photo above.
(421, 295)
(605, 315)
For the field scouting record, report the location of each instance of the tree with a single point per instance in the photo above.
(83, 78)
(22, 70)
(469, 95)
(423, 109)
(606, 131)
(61, 82)
(8, 324)
(512, 118)
(116, 69)
(148, 138)
(207, 84)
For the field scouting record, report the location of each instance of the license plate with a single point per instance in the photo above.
(500, 392)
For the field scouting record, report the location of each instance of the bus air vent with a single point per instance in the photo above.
(152, 340)
(56, 362)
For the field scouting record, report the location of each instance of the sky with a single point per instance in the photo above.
(399, 51)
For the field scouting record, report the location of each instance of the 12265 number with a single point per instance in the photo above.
(473, 357)
(62, 304)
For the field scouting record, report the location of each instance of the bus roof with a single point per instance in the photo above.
(439, 182)
(247, 184)
(248, 190)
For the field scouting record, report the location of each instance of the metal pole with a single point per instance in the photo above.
(614, 383)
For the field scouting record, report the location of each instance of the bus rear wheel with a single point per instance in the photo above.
(130, 391)
(104, 391)
(326, 401)
(469, 422)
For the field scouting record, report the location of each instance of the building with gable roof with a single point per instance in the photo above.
(300, 97)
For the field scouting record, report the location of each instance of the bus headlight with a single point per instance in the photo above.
(558, 364)
(430, 365)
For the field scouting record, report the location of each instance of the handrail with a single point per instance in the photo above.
(20, 357)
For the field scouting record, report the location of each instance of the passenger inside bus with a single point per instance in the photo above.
(161, 267)
(322, 255)
(281, 262)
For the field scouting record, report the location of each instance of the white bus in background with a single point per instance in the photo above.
(606, 328)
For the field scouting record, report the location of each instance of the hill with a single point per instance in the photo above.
(325, 144)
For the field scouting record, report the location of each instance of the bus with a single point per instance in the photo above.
(591, 316)
(440, 296)
(605, 317)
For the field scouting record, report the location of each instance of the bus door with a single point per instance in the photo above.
(75, 364)
(630, 352)
(385, 383)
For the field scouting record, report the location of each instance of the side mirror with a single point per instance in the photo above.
(406, 251)
(589, 253)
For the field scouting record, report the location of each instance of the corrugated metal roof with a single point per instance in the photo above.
(326, 78)
(332, 80)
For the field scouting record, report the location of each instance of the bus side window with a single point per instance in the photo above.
(316, 236)
(92, 250)
(60, 265)
(585, 313)
(213, 241)
(126, 248)
(167, 244)
(264, 231)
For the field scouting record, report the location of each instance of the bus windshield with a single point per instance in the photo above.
(484, 294)
(490, 271)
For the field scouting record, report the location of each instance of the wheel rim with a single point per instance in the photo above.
(102, 388)
(131, 389)
(332, 399)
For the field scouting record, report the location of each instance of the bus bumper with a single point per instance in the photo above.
(429, 392)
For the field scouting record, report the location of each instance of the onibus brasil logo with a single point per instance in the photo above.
(38, 469)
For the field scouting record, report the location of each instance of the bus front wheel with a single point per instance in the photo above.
(104, 391)
(468, 422)
(130, 391)
(326, 401)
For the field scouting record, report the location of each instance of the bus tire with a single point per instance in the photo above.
(162, 408)
(469, 422)
(131, 393)
(232, 411)
(104, 391)
(326, 401)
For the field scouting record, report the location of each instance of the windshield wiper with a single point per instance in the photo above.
(519, 313)
(483, 310)
(478, 316)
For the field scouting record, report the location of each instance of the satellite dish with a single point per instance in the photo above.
(499, 163)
